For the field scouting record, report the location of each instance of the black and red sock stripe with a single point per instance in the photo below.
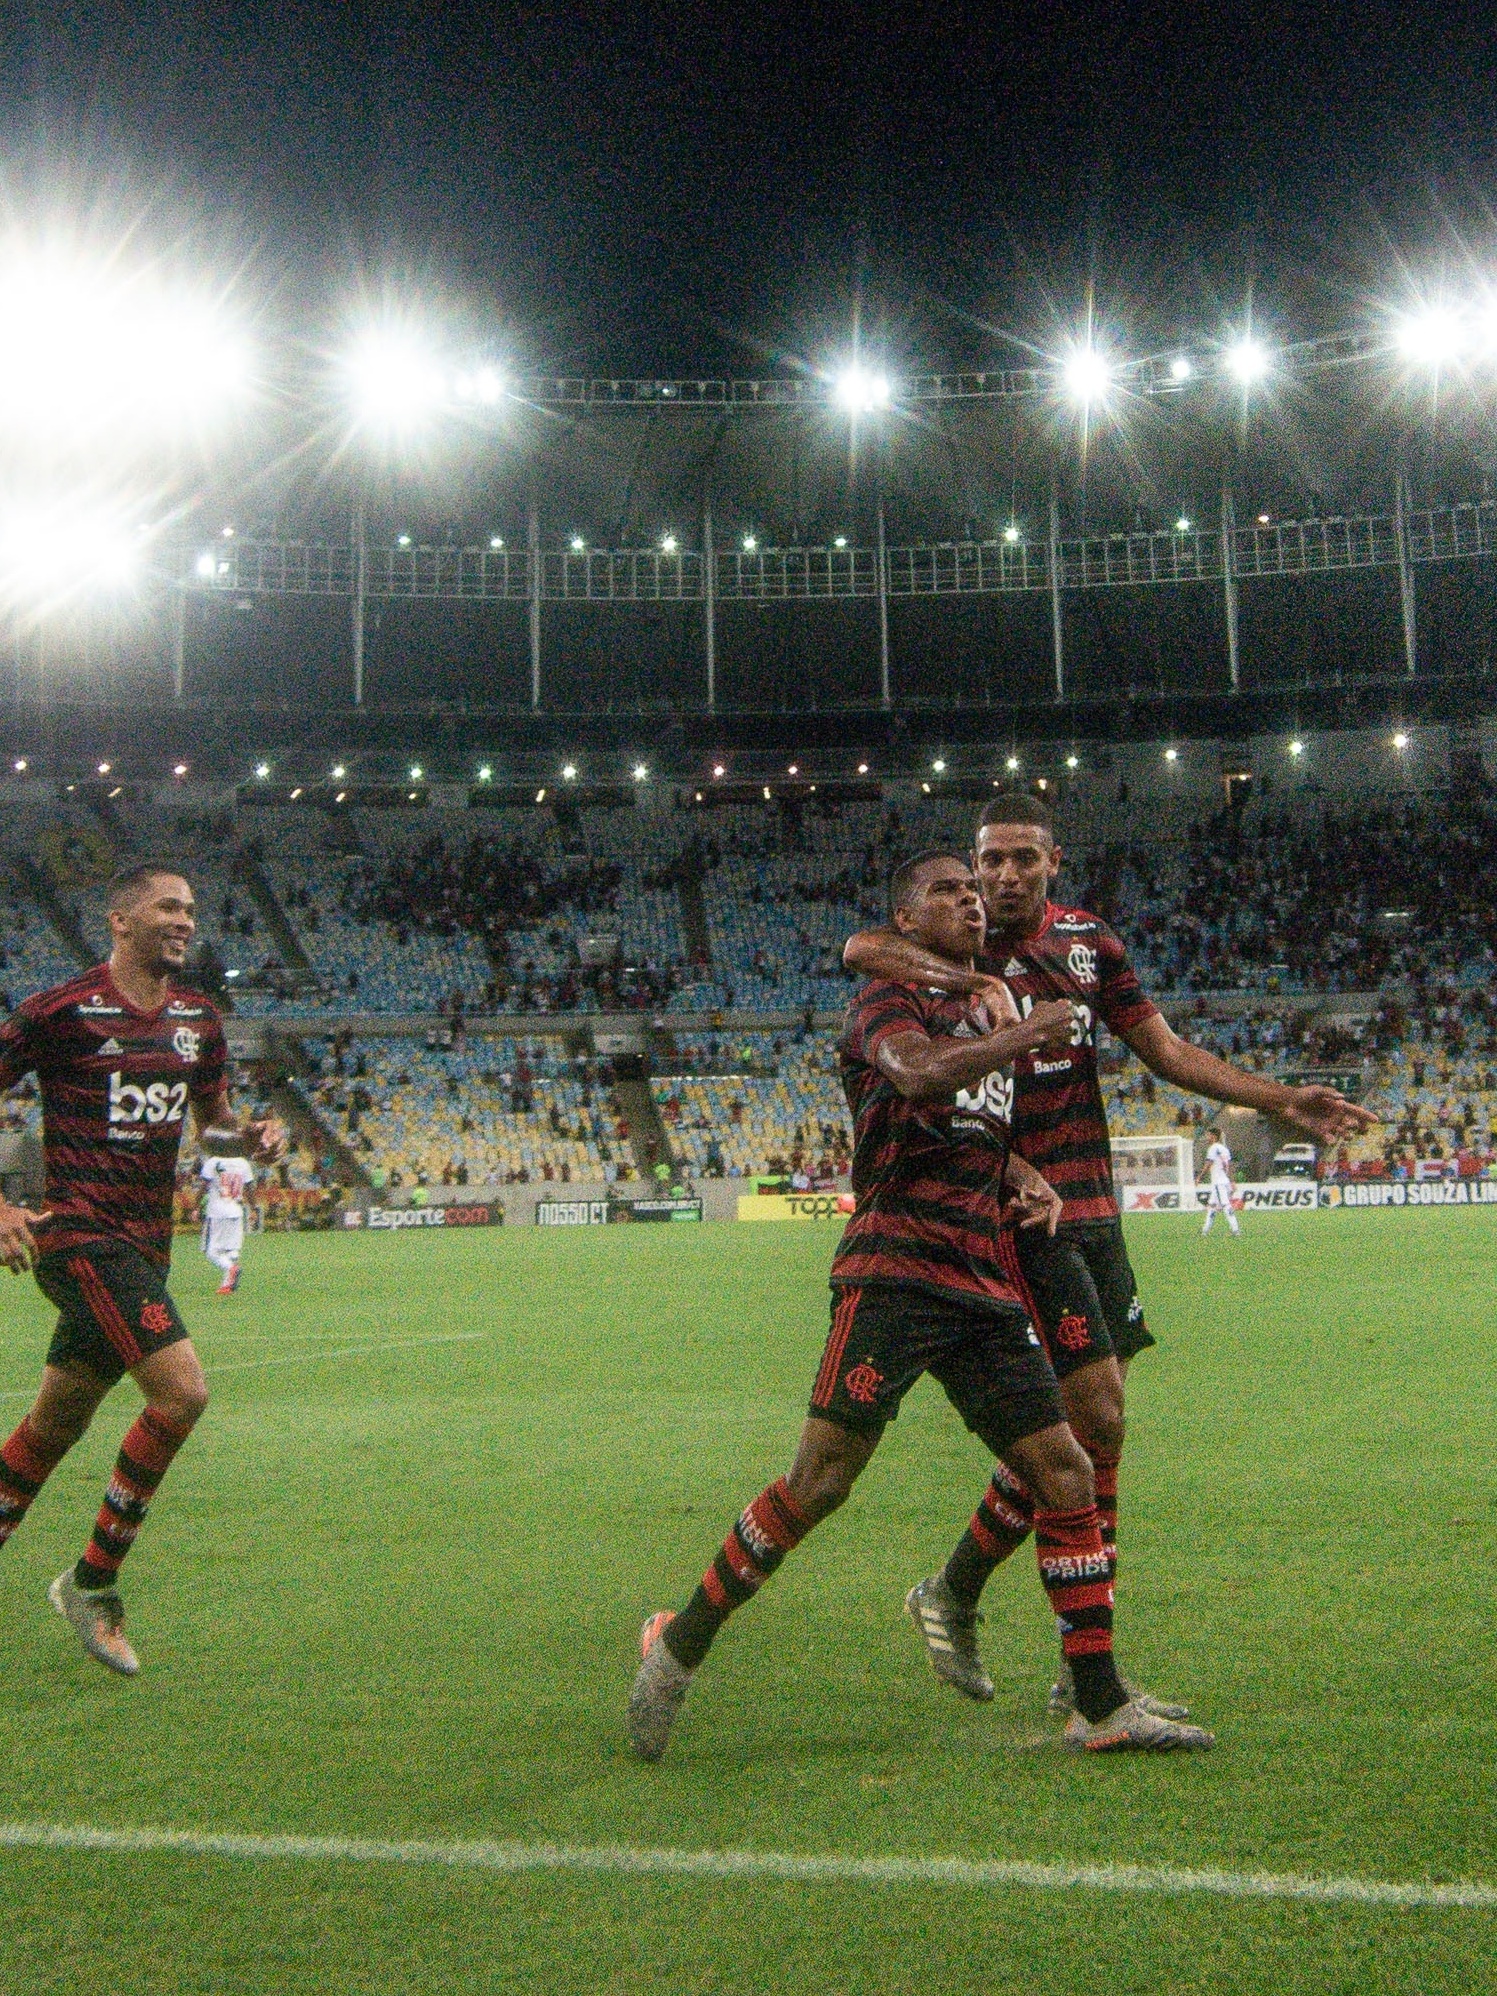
(26, 1461)
(762, 1534)
(144, 1458)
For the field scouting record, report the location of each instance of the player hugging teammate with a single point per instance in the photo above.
(120, 1053)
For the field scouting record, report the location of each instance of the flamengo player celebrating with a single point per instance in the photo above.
(1080, 1282)
(120, 1052)
(922, 1281)
(228, 1180)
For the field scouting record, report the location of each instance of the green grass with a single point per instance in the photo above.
(396, 1593)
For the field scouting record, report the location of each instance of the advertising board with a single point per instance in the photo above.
(613, 1212)
(794, 1205)
(420, 1219)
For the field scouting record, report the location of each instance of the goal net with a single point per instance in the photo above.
(1154, 1174)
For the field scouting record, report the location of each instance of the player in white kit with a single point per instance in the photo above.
(228, 1180)
(1219, 1190)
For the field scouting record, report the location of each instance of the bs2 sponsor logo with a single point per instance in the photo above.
(160, 1102)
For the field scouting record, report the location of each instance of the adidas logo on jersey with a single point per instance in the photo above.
(111, 1046)
(1013, 968)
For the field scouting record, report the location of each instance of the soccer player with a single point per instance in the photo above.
(120, 1054)
(1219, 1190)
(228, 1180)
(922, 1281)
(1079, 1282)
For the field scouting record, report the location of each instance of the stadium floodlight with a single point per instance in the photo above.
(206, 567)
(1263, 519)
(1172, 755)
(411, 796)
(1012, 763)
(20, 765)
(1073, 762)
(540, 795)
(1182, 525)
(262, 770)
(926, 788)
(228, 534)
(862, 769)
(1011, 533)
(1296, 747)
(861, 390)
(751, 543)
(1181, 367)
(669, 544)
(341, 797)
(179, 769)
(496, 542)
(794, 769)
(1086, 375)
(105, 767)
(577, 544)
(296, 793)
(939, 766)
(339, 772)
(1247, 361)
(395, 382)
(402, 540)
(416, 772)
(1432, 337)
(641, 771)
(766, 793)
(718, 769)
(569, 772)
(1400, 740)
(840, 541)
(485, 772)
(484, 385)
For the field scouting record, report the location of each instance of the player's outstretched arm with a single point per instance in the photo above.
(887, 953)
(926, 1070)
(264, 1142)
(1323, 1113)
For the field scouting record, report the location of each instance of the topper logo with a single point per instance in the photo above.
(160, 1102)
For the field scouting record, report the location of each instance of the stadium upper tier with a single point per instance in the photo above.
(660, 906)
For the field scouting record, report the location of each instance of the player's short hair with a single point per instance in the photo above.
(906, 877)
(1019, 807)
(129, 883)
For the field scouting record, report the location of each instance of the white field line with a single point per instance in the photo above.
(631, 1861)
(305, 1357)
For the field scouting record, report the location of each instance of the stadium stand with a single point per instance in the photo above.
(752, 1104)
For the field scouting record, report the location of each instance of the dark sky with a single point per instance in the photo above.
(659, 189)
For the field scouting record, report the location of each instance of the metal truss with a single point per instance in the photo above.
(784, 575)
(1158, 375)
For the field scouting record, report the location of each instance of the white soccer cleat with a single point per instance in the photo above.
(1130, 1729)
(99, 1617)
(660, 1687)
(1063, 1698)
(950, 1638)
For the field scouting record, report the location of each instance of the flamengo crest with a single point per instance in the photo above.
(1082, 963)
(186, 1042)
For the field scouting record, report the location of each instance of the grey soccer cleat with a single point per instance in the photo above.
(660, 1687)
(949, 1633)
(1063, 1698)
(1130, 1729)
(99, 1617)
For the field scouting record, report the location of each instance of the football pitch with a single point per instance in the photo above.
(388, 1602)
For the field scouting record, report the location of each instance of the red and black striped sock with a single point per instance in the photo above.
(772, 1525)
(144, 1458)
(1076, 1572)
(1105, 1475)
(1000, 1525)
(25, 1464)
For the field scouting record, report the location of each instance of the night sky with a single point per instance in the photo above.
(662, 190)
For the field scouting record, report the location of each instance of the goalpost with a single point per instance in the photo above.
(1154, 1174)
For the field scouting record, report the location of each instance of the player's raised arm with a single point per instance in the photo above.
(887, 953)
(927, 1070)
(1324, 1113)
(265, 1140)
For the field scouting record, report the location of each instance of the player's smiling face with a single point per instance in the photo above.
(945, 914)
(1015, 865)
(157, 926)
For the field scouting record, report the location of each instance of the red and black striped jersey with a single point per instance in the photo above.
(1060, 1124)
(927, 1177)
(115, 1085)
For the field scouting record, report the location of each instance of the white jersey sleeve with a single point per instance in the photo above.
(1220, 1159)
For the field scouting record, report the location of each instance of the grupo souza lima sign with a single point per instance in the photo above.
(613, 1212)
(379, 1219)
(1435, 1192)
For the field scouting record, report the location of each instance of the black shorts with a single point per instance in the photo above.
(114, 1307)
(990, 1362)
(1083, 1293)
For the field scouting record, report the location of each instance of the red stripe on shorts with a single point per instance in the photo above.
(836, 1344)
(106, 1312)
